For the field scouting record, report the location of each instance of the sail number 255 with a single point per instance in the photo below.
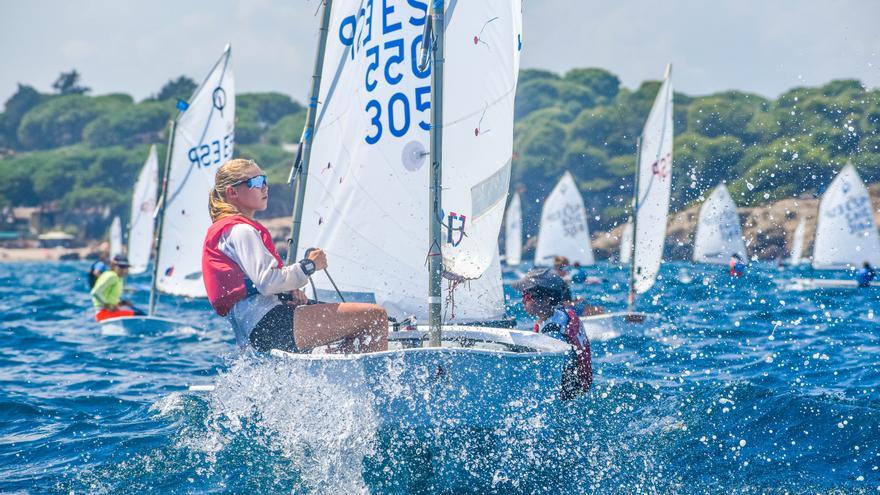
(386, 66)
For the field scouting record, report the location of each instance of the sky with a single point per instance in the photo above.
(759, 46)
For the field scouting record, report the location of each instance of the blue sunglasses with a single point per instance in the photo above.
(254, 182)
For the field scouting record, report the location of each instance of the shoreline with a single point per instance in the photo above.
(24, 255)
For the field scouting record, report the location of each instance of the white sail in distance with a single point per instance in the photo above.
(626, 243)
(115, 237)
(202, 142)
(654, 188)
(846, 235)
(513, 232)
(143, 205)
(719, 234)
(366, 199)
(797, 243)
(564, 230)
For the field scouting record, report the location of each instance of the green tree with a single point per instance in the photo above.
(141, 123)
(21, 102)
(68, 84)
(177, 89)
(287, 130)
(603, 84)
(535, 95)
(60, 121)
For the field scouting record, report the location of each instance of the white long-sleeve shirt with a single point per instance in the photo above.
(243, 244)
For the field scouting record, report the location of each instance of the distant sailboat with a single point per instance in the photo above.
(797, 243)
(846, 235)
(719, 234)
(200, 140)
(651, 194)
(143, 205)
(564, 230)
(653, 190)
(626, 244)
(513, 232)
(115, 237)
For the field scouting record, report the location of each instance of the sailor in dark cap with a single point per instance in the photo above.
(107, 292)
(545, 295)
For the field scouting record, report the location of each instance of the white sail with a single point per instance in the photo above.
(366, 200)
(626, 243)
(564, 230)
(719, 234)
(654, 182)
(479, 87)
(115, 237)
(513, 232)
(202, 142)
(143, 204)
(797, 244)
(846, 234)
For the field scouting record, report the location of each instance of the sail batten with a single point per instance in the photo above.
(564, 229)
(846, 235)
(203, 140)
(719, 234)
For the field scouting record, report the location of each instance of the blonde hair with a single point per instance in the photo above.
(228, 174)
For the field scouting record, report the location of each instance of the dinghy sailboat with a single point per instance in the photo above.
(626, 241)
(201, 138)
(846, 234)
(143, 205)
(797, 244)
(653, 187)
(373, 140)
(513, 232)
(719, 234)
(564, 230)
(115, 237)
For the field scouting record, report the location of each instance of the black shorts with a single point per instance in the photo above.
(275, 330)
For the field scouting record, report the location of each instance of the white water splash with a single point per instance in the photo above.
(323, 428)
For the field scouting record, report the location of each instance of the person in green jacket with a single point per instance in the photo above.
(107, 292)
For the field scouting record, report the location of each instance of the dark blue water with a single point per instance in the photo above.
(746, 389)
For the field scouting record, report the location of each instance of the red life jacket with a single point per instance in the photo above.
(576, 336)
(225, 281)
(736, 268)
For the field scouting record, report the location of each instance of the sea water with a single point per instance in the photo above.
(742, 388)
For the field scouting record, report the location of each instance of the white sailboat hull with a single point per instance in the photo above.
(608, 326)
(480, 377)
(140, 325)
(799, 284)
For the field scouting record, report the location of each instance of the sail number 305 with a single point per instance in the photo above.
(396, 114)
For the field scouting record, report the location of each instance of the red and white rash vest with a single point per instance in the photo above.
(243, 272)
(226, 270)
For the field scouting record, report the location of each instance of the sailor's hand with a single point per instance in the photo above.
(298, 297)
(319, 258)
